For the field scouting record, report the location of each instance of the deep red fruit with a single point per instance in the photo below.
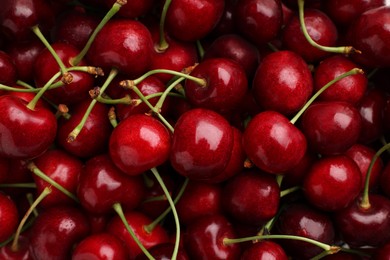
(164, 252)
(8, 71)
(251, 197)
(121, 44)
(102, 185)
(204, 238)
(26, 133)
(260, 21)
(331, 127)
(263, 250)
(100, 246)
(139, 143)
(383, 252)
(22, 253)
(225, 89)
(132, 9)
(272, 143)
(282, 82)
(9, 217)
(189, 20)
(201, 144)
(333, 183)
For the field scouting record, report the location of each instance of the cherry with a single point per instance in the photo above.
(264, 250)
(164, 252)
(139, 143)
(201, 144)
(226, 24)
(204, 238)
(272, 143)
(22, 253)
(17, 173)
(27, 132)
(182, 18)
(101, 185)
(383, 252)
(296, 175)
(132, 9)
(226, 85)
(100, 246)
(350, 89)
(119, 37)
(331, 127)
(66, 224)
(301, 220)
(9, 217)
(282, 82)
(332, 183)
(8, 71)
(257, 20)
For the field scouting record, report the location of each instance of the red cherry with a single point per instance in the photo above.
(9, 217)
(383, 252)
(26, 133)
(282, 82)
(22, 253)
(264, 250)
(8, 71)
(101, 185)
(132, 9)
(201, 144)
(100, 246)
(164, 252)
(333, 183)
(272, 143)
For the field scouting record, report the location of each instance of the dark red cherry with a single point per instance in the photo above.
(8, 70)
(282, 82)
(332, 183)
(65, 224)
(301, 220)
(251, 197)
(350, 89)
(360, 226)
(132, 9)
(204, 237)
(260, 21)
(226, 24)
(121, 44)
(273, 143)
(264, 250)
(331, 127)
(164, 252)
(102, 184)
(201, 144)
(22, 252)
(296, 175)
(320, 28)
(100, 246)
(26, 133)
(18, 173)
(139, 143)
(64, 169)
(226, 85)
(383, 252)
(182, 19)
(9, 217)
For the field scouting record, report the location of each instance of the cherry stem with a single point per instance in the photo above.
(18, 185)
(34, 169)
(31, 105)
(174, 212)
(289, 191)
(156, 198)
(45, 192)
(75, 132)
(341, 49)
(163, 97)
(126, 100)
(112, 117)
(365, 203)
(163, 44)
(28, 89)
(119, 210)
(114, 9)
(200, 49)
(353, 71)
(30, 199)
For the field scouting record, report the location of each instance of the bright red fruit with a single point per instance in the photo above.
(9, 217)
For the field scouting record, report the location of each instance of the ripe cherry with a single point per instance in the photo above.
(9, 217)
(264, 250)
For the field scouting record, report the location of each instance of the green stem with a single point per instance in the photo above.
(156, 198)
(289, 190)
(126, 100)
(31, 105)
(163, 44)
(353, 71)
(18, 185)
(200, 49)
(161, 101)
(30, 199)
(118, 209)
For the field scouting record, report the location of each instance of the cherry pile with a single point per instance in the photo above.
(194, 129)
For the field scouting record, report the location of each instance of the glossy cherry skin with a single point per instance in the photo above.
(66, 224)
(201, 144)
(282, 82)
(100, 246)
(182, 19)
(7, 69)
(320, 28)
(370, 35)
(93, 137)
(272, 143)
(365, 226)
(22, 253)
(121, 44)
(331, 127)
(251, 197)
(263, 250)
(350, 89)
(333, 183)
(164, 252)
(257, 20)
(226, 85)
(301, 220)
(26, 133)
(204, 237)
(137, 221)
(64, 169)
(102, 184)
(9, 217)
(139, 143)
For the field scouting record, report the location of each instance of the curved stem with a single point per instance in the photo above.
(160, 102)
(163, 44)
(31, 105)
